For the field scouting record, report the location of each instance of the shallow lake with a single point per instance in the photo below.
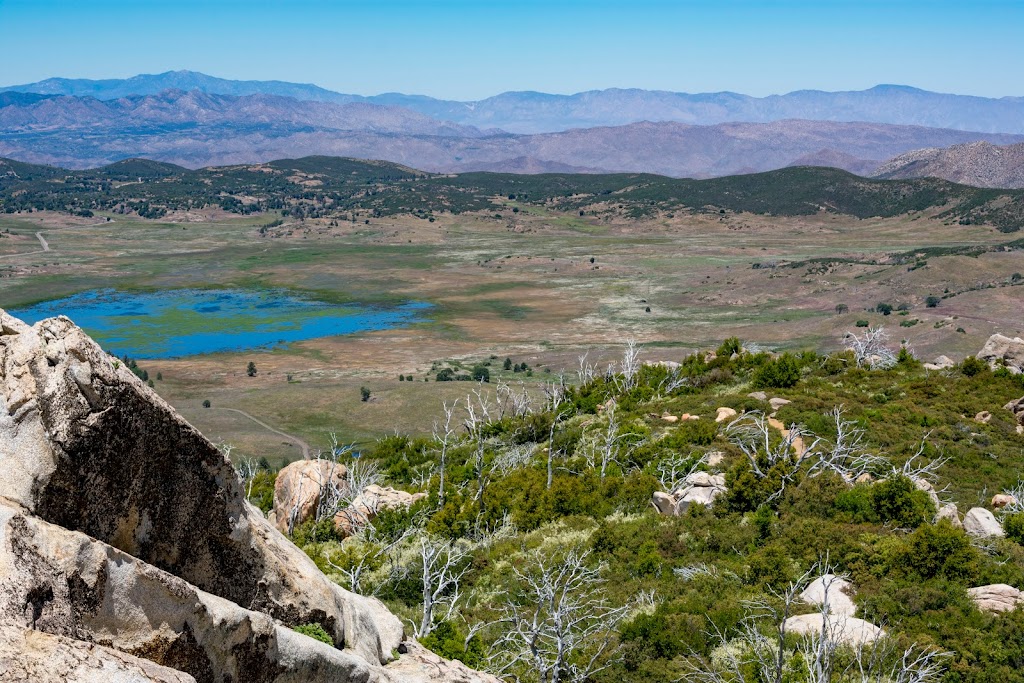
(187, 322)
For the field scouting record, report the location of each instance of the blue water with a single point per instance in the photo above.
(188, 322)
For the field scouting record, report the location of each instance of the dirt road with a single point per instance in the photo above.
(297, 441)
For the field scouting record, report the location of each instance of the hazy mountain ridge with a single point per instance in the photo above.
(977, 163)
(196, 107)
(196, 129)
(533, 112)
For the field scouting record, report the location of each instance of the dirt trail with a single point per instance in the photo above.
(296, 440)
(42, 241)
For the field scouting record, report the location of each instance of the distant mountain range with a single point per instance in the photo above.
(195, 129)
(196, 120)
(533, 112)
(978, 163)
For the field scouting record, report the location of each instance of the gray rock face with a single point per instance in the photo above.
(1000, 350)
(122, 525)
(846, 630)
(981, 523)
(28, 656)
(67, 584)
(833, 590)
(1017, 408)
(699, 487)
(949, 512)
(996, 597)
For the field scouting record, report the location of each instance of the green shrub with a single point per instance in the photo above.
(857, 504)
(896, 500)
(972, 366)
(729, 346)
(939, 551)
(1013, 525)
(863, 323)
(780, 373)
(448, 641)
(315, 631)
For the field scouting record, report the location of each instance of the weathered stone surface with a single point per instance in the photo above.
(1000, 350)
(122, 526)
(699, 487)
(1001, 500)
(758, 395)
(723, 414)
(1017, 408)
(984, 417)
(70, 585)
(28, 656)
(846, 630)
(949, 512)
(665, 503)
(368, 505)
(996, 597)
(981, 523)
(836, 591)
(298, 488)
(926, 486)
(93, 449)
(419, 665)
(777, 403)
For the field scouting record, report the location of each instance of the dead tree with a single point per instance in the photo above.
(247, 469)
(870, 350)
(560, 627)
(444, 434)
(442, 566)
(752, 434)
(629, 367)
(607, 448)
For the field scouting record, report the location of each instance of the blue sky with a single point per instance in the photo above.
(466, 49)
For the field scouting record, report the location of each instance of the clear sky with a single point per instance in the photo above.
(469, 49)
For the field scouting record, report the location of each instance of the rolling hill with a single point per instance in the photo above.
(978, 163)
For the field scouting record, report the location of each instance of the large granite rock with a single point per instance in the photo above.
(698, 487)
(299, 487)
(845, 630)
(122, 525)
(996, 597)
(837, 592)
(1000, 350)
(368, 504)
(28, 656)
(981, 523)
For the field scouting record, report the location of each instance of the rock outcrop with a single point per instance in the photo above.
(950, 513)
(981, 523)
(121, 526)
(28, 656)
(835, 591)
(940, 363)
(368, 504)
(723, 414)
(996, 597)
(1001, 500)
(299, 487)
(1017, 408)
(1000, 350)
(698, 487)
(846, 630)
